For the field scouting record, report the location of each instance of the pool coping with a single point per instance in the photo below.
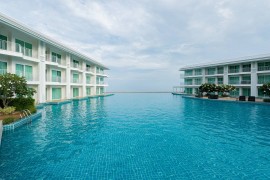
(228, 101)
(1, 131)
(21, 122)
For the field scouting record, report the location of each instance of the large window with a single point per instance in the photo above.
(246, 79)
(246, 68)
(198, 81)
(56, 76)
(88, 91)
(75, 92)
(188, 73)
(188, 81)
(3, 42)
(3, 67)
(25, 70)
(23, 47)
(235, 92)
(75, 78)
(220, 80)
(88, 79)
(99, 70)
(76, 64)
(234, 80)
(99, 80)
(56, 93)
(211, 80)
(263, 66)
(198, 72)
(56, 58)
(262, 79)
(246, 91)
(188, 90)
(210, 71)
(234, 69)
(220, 70)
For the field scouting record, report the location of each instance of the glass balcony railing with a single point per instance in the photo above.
(3, 71)
(234, 82)
(263, 68)
(75, 81)
(248, 69)
(220, 82)
(245, 81)
(76, 65)
(56, 79)
(233, 70)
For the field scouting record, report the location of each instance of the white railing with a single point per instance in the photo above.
(76, 65)
(15, 47)
(49, 58)
(89, 69)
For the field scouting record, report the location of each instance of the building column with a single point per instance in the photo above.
(84, 79)
(203, 75)
(254, 80)
(95, 81)
(225, 76)
(68, 81)
(42, 72)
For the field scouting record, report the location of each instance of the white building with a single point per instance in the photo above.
(246, 74)
(54, 70)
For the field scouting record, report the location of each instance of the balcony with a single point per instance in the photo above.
(76, 65)
(220, 82)
(234, 82)
(77, 81)
(52, 59)
(246, 82)
(89, 69)
(263, 68)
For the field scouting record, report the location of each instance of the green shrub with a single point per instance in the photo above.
(8, 120)
(7, 110)
(22, 104)
(266, 100)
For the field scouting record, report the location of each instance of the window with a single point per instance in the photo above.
(88, 91)
(3, 42)
(188, 90)
(188, 73)
(220, 80)
(198, 81)
(75, 92)
(88, 79)
(75, 78)
(234, 80)
(23, 47)
(76, 64)
(246, 80)
(220, 70)
(88, 67)
(234, 69)
(99, 80)
(263, 66)
(3, 67)
(198, 72)
(56, 93)
(101, 90)
(56, 76)
(235, 92)
(246, 91)
(210, 71)
(262, 79)
(188, 81)
(211, 80)
(25, 70)
(56, 58)
(99, 70)
(246, 68)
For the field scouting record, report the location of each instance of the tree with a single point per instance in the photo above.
(210, 88)
(12, 85)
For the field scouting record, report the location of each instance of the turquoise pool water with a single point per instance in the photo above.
(141, 136)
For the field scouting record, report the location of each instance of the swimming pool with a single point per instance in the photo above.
(141, 136)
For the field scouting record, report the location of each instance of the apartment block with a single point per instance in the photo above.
(54, 70)
(246, 74)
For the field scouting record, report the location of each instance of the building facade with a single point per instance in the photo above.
(55, 71)
(246, 74)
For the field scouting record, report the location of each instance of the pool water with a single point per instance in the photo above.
(141, 136)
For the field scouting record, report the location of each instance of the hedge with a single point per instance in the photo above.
(22, 103)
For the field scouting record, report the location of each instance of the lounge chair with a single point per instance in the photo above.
(242, 98)
(251, 98)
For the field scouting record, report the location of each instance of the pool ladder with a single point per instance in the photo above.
(26, 113)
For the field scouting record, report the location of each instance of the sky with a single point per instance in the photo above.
(145, 42)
